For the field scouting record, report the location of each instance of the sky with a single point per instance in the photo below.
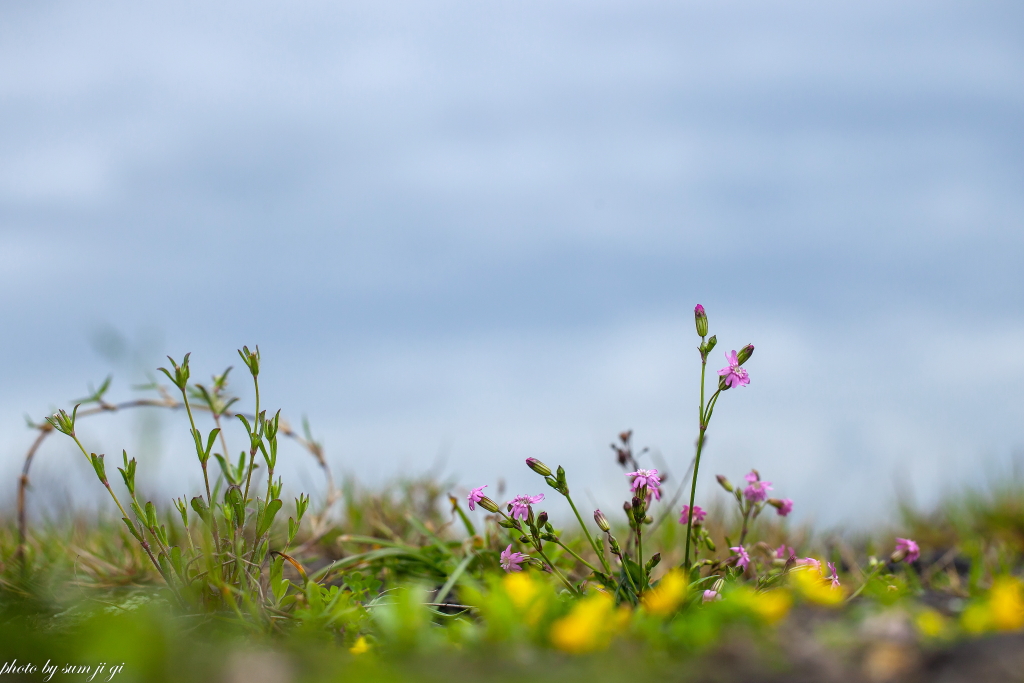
(467, 233)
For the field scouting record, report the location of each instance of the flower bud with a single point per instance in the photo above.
(710, 344)
(744, 354)
(542, 519)
(653, 562)
(709, 543)
(724, 483)
(627, 507)
(701, 319)
(488, 504)
(538, 467)
(601, 520)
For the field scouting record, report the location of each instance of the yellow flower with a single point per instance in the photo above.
(1002, 611)
(521, 588)
(931, 623)
(1007, 603)
(360, 646)
(813, 587)
(772, 605)
(589, 626)
(668, 595)
(526, 594)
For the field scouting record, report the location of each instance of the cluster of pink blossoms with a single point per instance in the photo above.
(698, 514)
(648, 480)
(758, 490)
(743, 558)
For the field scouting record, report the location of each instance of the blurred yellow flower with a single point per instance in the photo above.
(526, 593)
(360, 646)
(772, 606)
(930, 623)
(668, 595)
(521, 589)
(1003, 610)
(1007, 603)
(813, 587)
(589, 626)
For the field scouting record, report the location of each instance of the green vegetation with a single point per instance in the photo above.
(417, 581)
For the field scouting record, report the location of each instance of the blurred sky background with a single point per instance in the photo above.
(464, 233)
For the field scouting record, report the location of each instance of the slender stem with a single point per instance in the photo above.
(252, 449)
(640, 547)
(145, 546)
(536, 544)
(693, 494)
(206, 476)
(593, 544)
(573, 553)
(756, 510)
(700, 445)
(867, 580)
(568, 585)
(629, 576)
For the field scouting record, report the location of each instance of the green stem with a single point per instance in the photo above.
(571, 552)
(693, 493)
(629, 576)
(252, 449)
(867, 580)
(536, 544)
(593, 544)
(555, 570)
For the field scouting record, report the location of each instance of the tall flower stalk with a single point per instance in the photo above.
(733, 375)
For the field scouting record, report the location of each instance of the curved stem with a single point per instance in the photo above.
(593, 544)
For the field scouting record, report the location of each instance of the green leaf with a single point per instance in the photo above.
(131, 528)
(268, 517)
(201, 508)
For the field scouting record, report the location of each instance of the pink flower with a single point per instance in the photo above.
(648, 478)
(908, 549)
(520, 505)
(734, 375)
(510, 561)
(810, 561)
(744, 558)
(758, 490)
(784, 507)
(475, 495)
(698, 514)
(710, 596)
(784, 552)
(835, 576)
